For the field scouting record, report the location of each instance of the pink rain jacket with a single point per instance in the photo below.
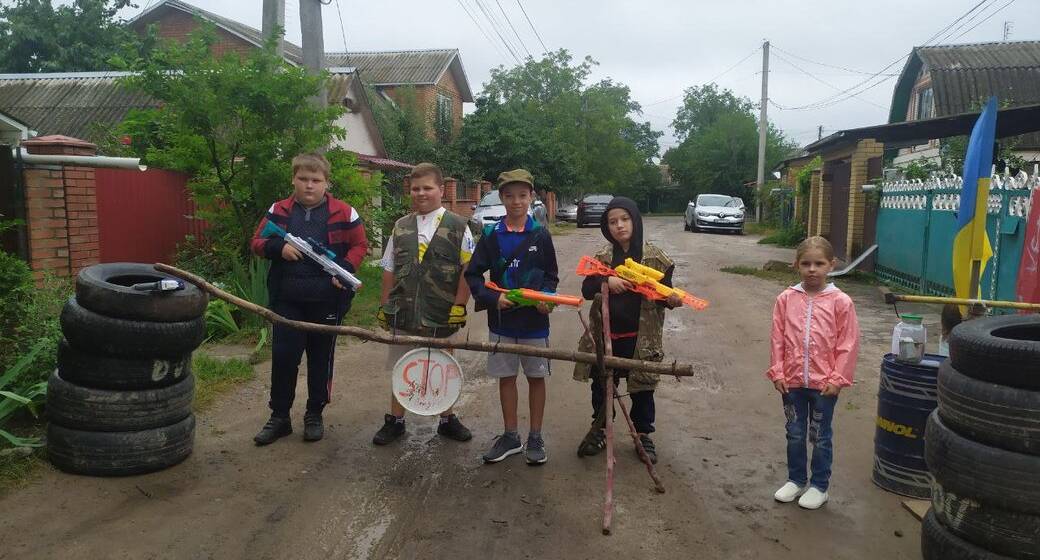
(815, 340)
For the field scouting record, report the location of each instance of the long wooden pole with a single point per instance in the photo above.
(608, 410)
(892, 298)
(658, 485)
(674, 368)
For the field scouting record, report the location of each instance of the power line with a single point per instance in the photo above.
(723, 73)
(545, 49)
(510, 22)
(835, 66)
(969, 20)
(1010, 2)
(481, 29)
(855, 90)
(824, 82)
(494, 27)
(342, 28)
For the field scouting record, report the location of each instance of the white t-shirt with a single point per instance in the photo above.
(428, 224)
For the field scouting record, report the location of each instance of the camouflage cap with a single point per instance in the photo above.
(516, 176)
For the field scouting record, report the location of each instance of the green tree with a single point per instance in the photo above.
(704, 105)
(36, 36)
(234, 123)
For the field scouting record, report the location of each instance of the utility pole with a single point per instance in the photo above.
(819, 132)
(763, 129)
(313, 42)
(274, 17)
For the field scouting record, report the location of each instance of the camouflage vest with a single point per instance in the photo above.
(423, 292)
(649, 344)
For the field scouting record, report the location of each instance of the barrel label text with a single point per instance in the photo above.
(896, 428)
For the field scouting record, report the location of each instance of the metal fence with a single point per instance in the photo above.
(917, 223)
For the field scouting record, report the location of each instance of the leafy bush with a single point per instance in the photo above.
(15, 395)
(790, 236)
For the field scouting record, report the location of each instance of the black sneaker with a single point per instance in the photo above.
(274, 428)
(313, 429)
(594, 442)
(454, 429)
(391, 430)
(648, 446)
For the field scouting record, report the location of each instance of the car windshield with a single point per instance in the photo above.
(716, 200)
(598, 198)
(491, 199)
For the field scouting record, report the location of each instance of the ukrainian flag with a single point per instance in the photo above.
(971, 243)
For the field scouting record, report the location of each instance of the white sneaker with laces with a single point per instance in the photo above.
(788, 492)
(812, 499)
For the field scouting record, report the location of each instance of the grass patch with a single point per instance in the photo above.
(562, 228)
(366, 302)
(753, 228)
(774, 275)
(214, 376)
(17, 469)
(789, 237)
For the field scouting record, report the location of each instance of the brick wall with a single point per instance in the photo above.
(823, 208)
(177, 25)
(865, 151)
(61, 209)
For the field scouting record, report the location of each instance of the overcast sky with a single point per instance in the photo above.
(659, 47)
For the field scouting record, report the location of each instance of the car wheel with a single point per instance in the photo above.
(126, 374)
(105, 410)
(1013, 534)
(938, 543)
(106, 289)
(120, 453)
(1003, 350)
(988, 413)
(92, 332)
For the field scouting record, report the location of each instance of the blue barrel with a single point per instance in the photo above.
(907, 394)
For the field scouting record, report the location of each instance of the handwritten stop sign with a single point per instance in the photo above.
(427, 381)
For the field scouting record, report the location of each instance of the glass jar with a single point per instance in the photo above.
(908, 339)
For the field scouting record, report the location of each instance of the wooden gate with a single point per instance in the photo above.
(143, 216)
(837, 175)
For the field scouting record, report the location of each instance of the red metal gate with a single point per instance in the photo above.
(142, 216)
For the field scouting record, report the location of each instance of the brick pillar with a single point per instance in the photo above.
(814, 198)
(61, 208)
(823, 216)
(865, 151)
(485, 187)
(792, 181)
(451, 194)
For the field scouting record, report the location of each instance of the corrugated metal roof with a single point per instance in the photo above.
(73, 104)
(963, 76)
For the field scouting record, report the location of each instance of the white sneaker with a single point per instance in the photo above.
(787, 493)
(812, 499)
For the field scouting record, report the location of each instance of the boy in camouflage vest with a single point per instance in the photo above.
(424, 293)
(636, 324)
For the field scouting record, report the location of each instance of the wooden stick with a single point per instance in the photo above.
(658, 485)
(892, 298)
(608, 413)
(683, 370)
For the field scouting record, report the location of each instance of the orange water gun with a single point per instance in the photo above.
(528, 297)
(645, 280)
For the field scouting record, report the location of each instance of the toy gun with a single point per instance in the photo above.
(646, 280)
(317, 252)
(528, 297)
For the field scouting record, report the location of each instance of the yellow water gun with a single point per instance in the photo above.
(642, 275)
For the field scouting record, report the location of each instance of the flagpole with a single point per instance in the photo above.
(973, 290)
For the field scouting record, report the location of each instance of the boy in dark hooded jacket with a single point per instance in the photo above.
(636, 324)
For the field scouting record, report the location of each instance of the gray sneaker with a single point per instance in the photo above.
(535, 452)
(502, 447)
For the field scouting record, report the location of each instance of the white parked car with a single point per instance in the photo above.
(717, 212)
(490, 210)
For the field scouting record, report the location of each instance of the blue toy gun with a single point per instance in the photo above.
(315, 251)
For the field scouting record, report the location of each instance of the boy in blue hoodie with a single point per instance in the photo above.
(519, 253)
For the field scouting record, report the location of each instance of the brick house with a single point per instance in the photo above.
(945, 80)
(437, 76)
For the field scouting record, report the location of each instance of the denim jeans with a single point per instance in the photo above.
(809, 416)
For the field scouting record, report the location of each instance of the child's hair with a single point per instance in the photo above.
(815, 242)
(310, 161)
(951, 317)
(427, 170)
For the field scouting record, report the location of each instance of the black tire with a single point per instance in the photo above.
(95, 333)
(105, 289)
(1005, 532)
(999, 478)
(126, 374)
(988, 413)
(1003, 350)
(120, 453)
(104, 410)
(937, 543)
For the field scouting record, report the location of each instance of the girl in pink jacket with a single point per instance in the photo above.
(814, 345)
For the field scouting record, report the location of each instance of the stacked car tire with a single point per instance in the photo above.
(982, 444)
(120, 402)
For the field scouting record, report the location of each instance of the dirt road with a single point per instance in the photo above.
(720, 440)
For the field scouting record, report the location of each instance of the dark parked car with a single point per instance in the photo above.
(591, 207)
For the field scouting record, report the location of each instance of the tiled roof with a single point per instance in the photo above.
(72, 103)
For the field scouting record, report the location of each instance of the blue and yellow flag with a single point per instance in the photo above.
(971, 243)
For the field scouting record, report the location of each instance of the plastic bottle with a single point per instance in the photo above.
(908, 339)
